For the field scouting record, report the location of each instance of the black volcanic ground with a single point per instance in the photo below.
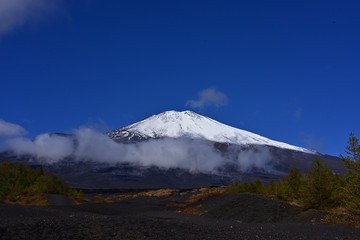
(225, 216)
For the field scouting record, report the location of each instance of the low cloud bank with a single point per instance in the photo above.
(50, 148)
(86, 144)
(8, 129)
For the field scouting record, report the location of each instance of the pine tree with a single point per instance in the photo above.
(271, 188)
(351, 189)
(352, 160)
(256, 187)
(319, 188)
(294, 182)
(288, 187)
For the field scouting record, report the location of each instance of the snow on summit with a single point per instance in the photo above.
(174, 124)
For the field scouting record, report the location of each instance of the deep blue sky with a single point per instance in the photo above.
(290, 70)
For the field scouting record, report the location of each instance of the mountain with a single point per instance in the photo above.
(174, 149)
(233, 143)
(188, 124)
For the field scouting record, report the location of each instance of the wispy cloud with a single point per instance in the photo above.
(8, 129)
(312, 142)
(208, 97)
(15, 13)
(298, 114)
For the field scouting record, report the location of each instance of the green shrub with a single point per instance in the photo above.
(253, 187)
(18, 181)
(237, 188)
(256, 187)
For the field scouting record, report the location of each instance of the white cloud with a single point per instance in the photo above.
(15, 13)
(260, 158)
(10, 129)
(195, 156)
(46, 146)
(86, 144)
(208, 97)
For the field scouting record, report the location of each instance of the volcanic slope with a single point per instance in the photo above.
(188, 124)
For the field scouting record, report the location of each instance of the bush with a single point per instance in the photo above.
(237, 188)
(19, 183)
(253, 187)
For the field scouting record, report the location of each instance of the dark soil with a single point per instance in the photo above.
(226, 216)
(249, 208)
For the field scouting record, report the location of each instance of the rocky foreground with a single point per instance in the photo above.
(223, 216)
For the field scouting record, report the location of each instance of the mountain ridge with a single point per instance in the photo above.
(188, 124)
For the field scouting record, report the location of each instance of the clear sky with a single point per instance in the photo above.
(287, 70)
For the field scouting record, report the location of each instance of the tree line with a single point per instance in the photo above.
(319, 188)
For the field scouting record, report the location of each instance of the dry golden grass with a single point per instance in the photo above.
(295, 203)
(340, 215)
(192, 210)
(205, 193)
(151, 193)
(338, 210)
(81, 201)
(175, 204)
(120, 197)
(32, 200)
(157, 193)
(101, 199)
(198, 195)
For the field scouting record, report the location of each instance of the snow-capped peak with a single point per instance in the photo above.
(174, 124)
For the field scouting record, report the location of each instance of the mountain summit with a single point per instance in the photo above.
(188, 124)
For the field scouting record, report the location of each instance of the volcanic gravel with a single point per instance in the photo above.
(228, 216)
